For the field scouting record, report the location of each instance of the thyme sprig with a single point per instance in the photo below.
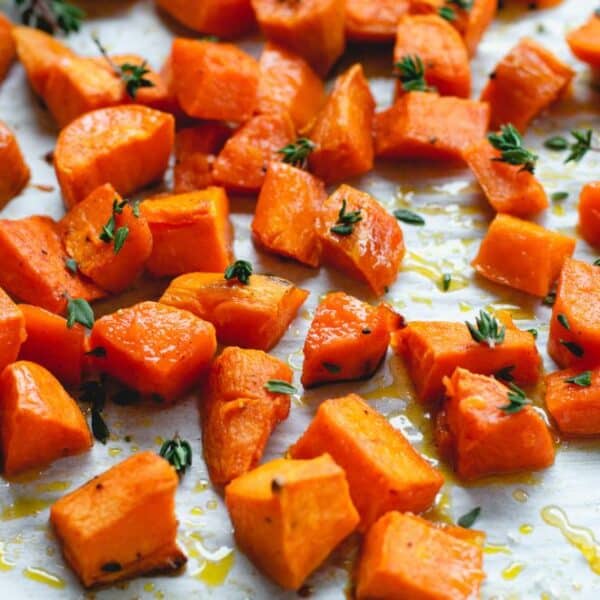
(50, 15)
(517, 400)
(240, 270)
(346, 220)
(487, 329)
(411, 73)
(296, 153)
(512, 152)
(178, 453)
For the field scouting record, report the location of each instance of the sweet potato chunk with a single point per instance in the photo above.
(12, 330)
(589, 213)
(191, 232)
(522, 255)
(473, 23)
(289, 203)
(239, 413)
(177, 348)
(255, 315)
(405, 556)
(524, 83)
(584, 41)
(121, 523)
(8, 47)
(126, 146)
(342, 131)
(347, 339)
(267, 505)
(15, 172)
(373, 250)
(486, 440)
(39, 421)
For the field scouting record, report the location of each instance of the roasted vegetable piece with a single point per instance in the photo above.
(242, 163)
(177, 348)
(39, 421)
(384, 471)
(121, 523)
(8, 47)
(589, 213)
(473, 22)
(405, 556)
(524, 83)
(522, 255)
(126, 146)
(239, 412)
(253, 315)
(12, 330)
(214, 80)
(267, 505)
(190, 232)
(347, 339)
(313, 29)
(342, 130)
(286, 213)
(15, 172)
(371, 248)
(485, 436)
(584, 41)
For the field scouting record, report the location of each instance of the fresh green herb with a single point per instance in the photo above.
(550, 299)
(240, 270)
(135, 208)
(534, 333)
(110, 233)
(462, 4)
(573, 348)
(562, 319)
(99, 427)
(297, 153)
(112, 567)
(559, 196)
(94, 393)
(120, 237)
(505, 374)
(597, 262)
(346, 221)
(98, 352)
(408, 216)
(558, 143)
(582, 380)
(210, 38)
(446, 12)
(468, 519)
(510, 144)
(332, 367)
(582, 144)
(50, 15)
(446, 281)
(516, 400)
(79, 311)
(178, 452)
(278, 386)
(71, 264)
(411, 73)
(487, 329)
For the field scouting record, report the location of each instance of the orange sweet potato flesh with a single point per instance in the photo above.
(525, 82)
(442, 50)
(522, 255)
(178, 348)
(191, 232)
(121, 523)
(34, 269)
(432, 350)
(347, 339)
(418, 126)
(589, 213)
(384, 471)
(289, 203)
(342, 130)
(81, 228)
(39, 421)
(485, 439)
(314, 29)
(585, 41)
(126, 146)
(12, 330)
(15, 172)
(251, 316)
(372, 253)
(267, 504)
(53, 345)
(508, 188)
(473, 23)
(405, 556)
(239, 413)
(8, 47)
(577, 298)
(242, 163)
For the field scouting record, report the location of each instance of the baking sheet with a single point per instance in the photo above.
(529, 518)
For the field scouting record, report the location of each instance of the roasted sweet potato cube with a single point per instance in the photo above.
(473, 23)
(239, 413)
(347, 339)
(313, 29)
(126, 146)
(485, 439)
(584, 41)
(39, 421)
(384, 471)
(405, 556)
(289, 203)
(416, 126)
(15, 172)
(121, 523)
(255, 315)
(522, 255)
(8, 47)
(12, 330)
(267, 504)
(524, 83)
(242, 164)
(177, 348)
(343, 129)
(589, 213)
(373, 250)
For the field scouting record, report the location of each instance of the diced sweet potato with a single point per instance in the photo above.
(126, 146)
(288, 515)
(405, 556)
(39, 421)
(8, 47)
(347, 339)
(177, 348)
(343, 129)
(487, 440)
(584, 41)
(242, 164)
(524, 83)
(15, 172)
(239, 413)
(12, 330)
(522, 254)
(289, 203)
(313, 29)
(121, 523)
(191, 232)
(589, 213)
(373, 250)
(473, 23)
